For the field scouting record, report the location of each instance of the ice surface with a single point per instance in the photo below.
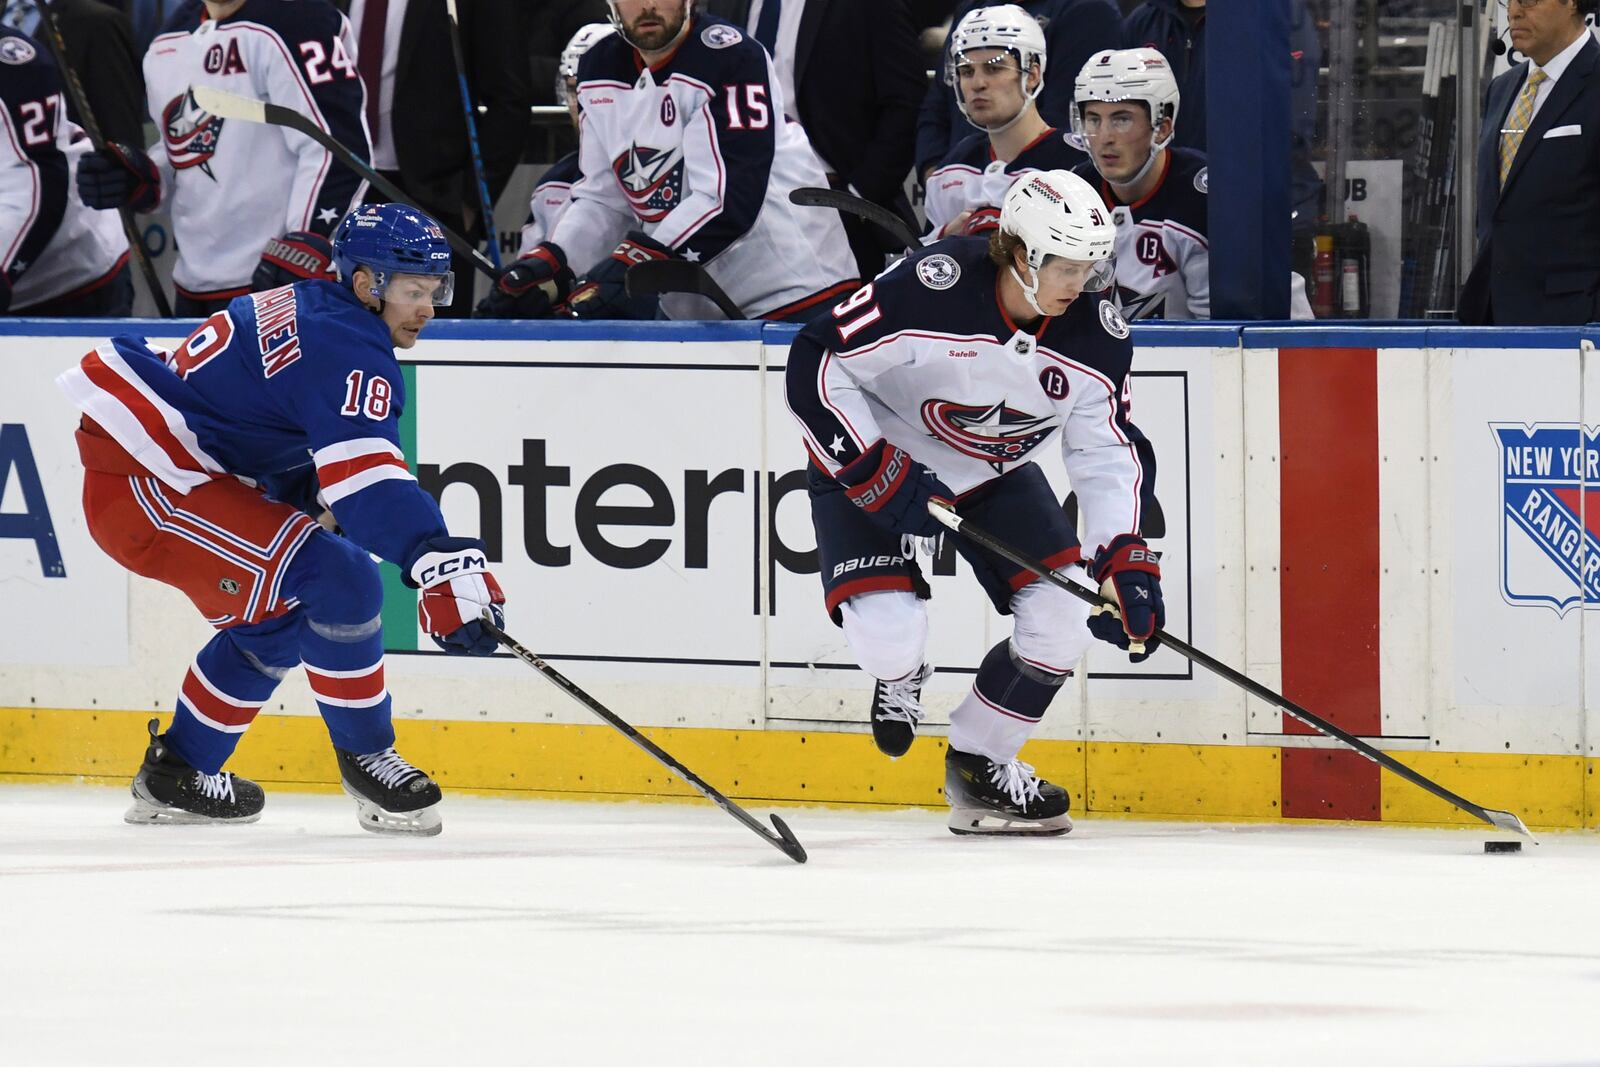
(589, 933)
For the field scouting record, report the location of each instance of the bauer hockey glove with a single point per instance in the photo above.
(294, 257)
(894, 489)
(118, 175)
(604, 293)
(1129, 576)
(457, 588)
(530, 288)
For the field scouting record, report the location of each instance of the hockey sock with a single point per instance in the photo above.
(219, 698)
(1007, 700)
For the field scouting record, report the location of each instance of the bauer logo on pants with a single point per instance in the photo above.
(1549, 512)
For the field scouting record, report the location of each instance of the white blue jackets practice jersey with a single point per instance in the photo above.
(50, 244)
(971, 178)
(696, 152)
(549, 202)
(231, 185)
(927, 358)
(1163, 254)
(296, 389)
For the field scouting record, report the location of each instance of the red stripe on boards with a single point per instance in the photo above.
(1328, 472)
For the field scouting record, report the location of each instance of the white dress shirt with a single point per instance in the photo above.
(1553, 71)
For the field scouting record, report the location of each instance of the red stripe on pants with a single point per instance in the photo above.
(1328, 434)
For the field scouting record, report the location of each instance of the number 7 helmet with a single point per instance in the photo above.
(1007, 27)
(391, 239)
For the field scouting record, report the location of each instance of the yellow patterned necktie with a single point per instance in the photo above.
(1517, 122)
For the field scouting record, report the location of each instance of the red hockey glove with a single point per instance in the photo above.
(604, 294)
(1130, 576)
(894, 489)
(294, 257)
(457, 588)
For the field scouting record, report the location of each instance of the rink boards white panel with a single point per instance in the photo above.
(667, 450)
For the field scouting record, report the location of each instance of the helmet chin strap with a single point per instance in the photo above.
(1149, 160)
(1028, 288)
(1013, 120)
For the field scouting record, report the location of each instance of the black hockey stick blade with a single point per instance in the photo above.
(228, 105)
(784, 840)
(657, 276)
(1505, 820)
(879, 216)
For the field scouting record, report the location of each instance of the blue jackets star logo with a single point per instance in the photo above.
(998, 434)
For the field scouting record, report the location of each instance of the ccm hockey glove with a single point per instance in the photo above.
(530, 288)
(294, 257)
(604, 293)
(457, 588)
(894, 489)
(118, 175)
(1130, 576)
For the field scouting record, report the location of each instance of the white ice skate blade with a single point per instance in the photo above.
(424, 822)
(981, 822)
(154, 813)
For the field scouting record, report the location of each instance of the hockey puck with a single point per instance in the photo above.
(1502, 846)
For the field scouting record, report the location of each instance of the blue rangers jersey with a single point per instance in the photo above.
(696, 153)
(51, 246)
(231, 186)
(296, 389)
(927, 358)
(972, 179)
(549, 202)
(1163, 254)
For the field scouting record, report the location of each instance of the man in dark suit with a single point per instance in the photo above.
(1538, 219)
(858, 81)
(419, 131)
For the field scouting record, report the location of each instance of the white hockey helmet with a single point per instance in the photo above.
(616, 19)
(1005, 26)
(581, 42)
(1114, 75)
(1057, 213)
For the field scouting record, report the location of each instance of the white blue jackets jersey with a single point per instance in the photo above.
(696, 152)
(926, 357)
(296, 389)
(50, 244)
(549, 202)
(230, 185)
(1163, 254)
(971, 178)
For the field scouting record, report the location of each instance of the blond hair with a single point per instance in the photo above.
(1003, 248)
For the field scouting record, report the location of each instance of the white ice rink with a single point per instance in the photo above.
(586, 933)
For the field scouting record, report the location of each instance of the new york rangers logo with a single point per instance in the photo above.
(191, 134)
(1549, 514)
(997, 434)
(652, 178)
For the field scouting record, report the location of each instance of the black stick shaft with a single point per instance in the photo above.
(472, 136)
(1502, 819)
(879, 216)
(784, 840)
(656, 276)
(80, 103)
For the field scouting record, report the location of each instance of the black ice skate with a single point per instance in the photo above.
(392, 797)
(168, 790)
(1001, 798)
(896, 711)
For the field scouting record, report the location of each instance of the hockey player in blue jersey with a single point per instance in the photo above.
(940, 381)
(208, 467)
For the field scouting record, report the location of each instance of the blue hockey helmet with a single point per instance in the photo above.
(391, 239)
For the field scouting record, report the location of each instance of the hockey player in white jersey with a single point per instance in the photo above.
(554, 190)
(941, 380)
(996, 68)
(242, 196)
(685, 153)
(57, 257)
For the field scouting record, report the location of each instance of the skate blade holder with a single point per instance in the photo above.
(1135, 648)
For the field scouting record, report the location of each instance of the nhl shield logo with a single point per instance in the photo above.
(1549, 512)
(229, 586)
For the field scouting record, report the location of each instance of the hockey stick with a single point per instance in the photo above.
(784, 840)
(228, 105)
(472, 135)
(657, 276)
(80, 103)
(1504, 820)
(879, 216)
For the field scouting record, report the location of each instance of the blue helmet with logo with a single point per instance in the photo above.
(391, 239)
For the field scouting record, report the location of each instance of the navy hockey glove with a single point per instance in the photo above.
(604, 294)
(294, 257)
(457, 588)
(530, 288)
(1130, 576)
(894, 489)
(118, 175)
